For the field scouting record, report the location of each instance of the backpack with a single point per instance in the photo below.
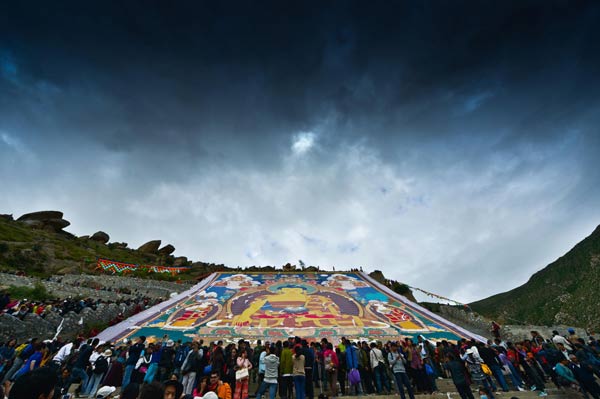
(101, 365)
(180, 355)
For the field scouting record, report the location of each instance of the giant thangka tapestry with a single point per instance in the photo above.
(272, 306)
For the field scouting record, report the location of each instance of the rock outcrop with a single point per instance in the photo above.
(166, 250)
(100, 236)
(51, 221)
(180, 261)
(151, 247)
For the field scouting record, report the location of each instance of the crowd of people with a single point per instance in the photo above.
(296, 368)
(20, 308)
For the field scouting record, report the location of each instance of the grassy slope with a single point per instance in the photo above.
(33, 250)
(42, 253)
(563, 292)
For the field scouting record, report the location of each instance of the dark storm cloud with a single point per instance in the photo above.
(332, 128)
(192, 70)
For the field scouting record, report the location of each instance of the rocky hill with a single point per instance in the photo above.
(564, 292)
(37, 245)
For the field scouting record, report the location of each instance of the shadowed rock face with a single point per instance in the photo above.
(151, 247)
(45, 220)
(167, 250)
(41, 216)
(100, 236)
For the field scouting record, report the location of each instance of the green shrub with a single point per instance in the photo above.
(37, 293)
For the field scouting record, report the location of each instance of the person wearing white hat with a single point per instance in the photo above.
(105, 392)
(99, 369)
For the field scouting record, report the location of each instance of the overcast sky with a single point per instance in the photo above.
(452, 145)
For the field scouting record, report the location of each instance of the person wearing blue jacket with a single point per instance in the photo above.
(352, 366)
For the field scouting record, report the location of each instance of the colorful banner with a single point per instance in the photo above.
(111, 266)
(272, 306)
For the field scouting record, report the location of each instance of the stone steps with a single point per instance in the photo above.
(447, 389)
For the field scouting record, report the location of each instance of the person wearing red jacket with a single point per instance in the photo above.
(331, 365)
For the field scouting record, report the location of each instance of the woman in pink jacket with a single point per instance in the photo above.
(241, 385)
(331, 365)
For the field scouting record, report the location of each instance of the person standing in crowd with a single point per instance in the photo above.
(99, 369)
(231, 366)
(189, 369)
(165, 365)
(133, 356)
(331, 365)
(352, 365)
(26, 350)
(559, 339)
(261, 366)
(271, 370)
(258, 350)
(489, 357)
(342, 372)
(32, 362)
(397, 362)
(364, 369)
(285, 369)
(298, 373)
(459, 375)
(217, 361)
(473, 363)
(378, 366)
(81, 364)
(153, 367)
(241, 385)
(585, 376)
(309, 360)
(142, 365)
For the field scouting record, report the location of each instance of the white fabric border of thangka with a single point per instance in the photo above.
(131, 322)
(435, 317)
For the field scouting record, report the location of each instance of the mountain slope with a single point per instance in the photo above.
(564, 292)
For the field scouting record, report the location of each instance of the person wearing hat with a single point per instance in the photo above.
(105, 392)
(573, 337)
(99, 369)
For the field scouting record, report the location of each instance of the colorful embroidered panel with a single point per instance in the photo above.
(275, 306)
(111, 266)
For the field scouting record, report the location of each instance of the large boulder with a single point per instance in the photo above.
(41, 215)
(151, 247)
(45, 220)
(100, 236)
(180, 261)
(166, 250)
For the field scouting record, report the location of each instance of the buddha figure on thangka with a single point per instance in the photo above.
(291, 303)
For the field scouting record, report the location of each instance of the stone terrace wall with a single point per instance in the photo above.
(481, 325)
(75, 285)
(45, 328)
